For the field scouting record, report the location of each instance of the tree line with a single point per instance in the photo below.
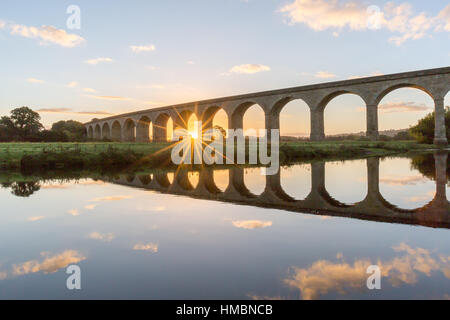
(24, 125)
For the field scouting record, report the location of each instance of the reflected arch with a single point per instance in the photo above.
(254, 181)
(296, 180)
(106, 131)
(221, 179)
(404, 187)
(116, 131)
(129, 131)
(346, 182)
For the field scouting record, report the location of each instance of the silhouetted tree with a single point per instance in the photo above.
(27, 122)
(25, 189)
(23, 125)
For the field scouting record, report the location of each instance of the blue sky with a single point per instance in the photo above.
(193, 50)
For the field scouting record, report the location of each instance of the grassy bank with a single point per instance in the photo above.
(32, 156)
(330, 150)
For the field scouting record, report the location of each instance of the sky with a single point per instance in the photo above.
(134, 55)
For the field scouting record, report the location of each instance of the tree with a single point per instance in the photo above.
(27, 122)
(72, 130)
(423, 131)
(7, 129)
(25, 189)
(23, 125)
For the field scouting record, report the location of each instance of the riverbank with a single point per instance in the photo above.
(104, 156)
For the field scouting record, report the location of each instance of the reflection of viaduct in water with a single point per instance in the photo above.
(373, 207)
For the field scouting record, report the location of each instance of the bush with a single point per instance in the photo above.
(423, 131)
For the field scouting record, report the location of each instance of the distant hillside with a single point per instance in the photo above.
(390, 133)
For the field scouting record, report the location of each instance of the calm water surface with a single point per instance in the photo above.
(308, 233)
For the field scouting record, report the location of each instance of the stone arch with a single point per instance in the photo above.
(240, 113)
(160, 128)
(391, 88)
(129, 130)
(90, 132)
(116, 131)
(403, 107)
(353, 98)
(236, 120)
(214, 116)
(300, 108)
(181, 119)
(143, 129)
(97, 132)
(330, 96)
(106, 131)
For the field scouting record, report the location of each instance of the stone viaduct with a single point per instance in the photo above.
(134, 126)
(435, 214)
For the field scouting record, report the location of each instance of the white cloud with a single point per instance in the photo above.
(34, 80)
(373, 74)
(111, 198)
(70, 111)
(112, 98)
(36, 218)
(320, 15)
(152, 247)
(392, 107)
(144, 48)
(402, 181)
(247, 69)
(325, 276)
(98, 60)
(444, 16)
(47, 34)
(325, 75)
(50, 264)
(252, 224)
(106, 237)
(88, 90)
(151, 86)
(72, 84)
(73, 212)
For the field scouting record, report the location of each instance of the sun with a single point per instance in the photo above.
(193, 134)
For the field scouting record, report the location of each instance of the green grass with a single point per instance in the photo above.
(90, 154)
(12, 153)
(297, 151)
